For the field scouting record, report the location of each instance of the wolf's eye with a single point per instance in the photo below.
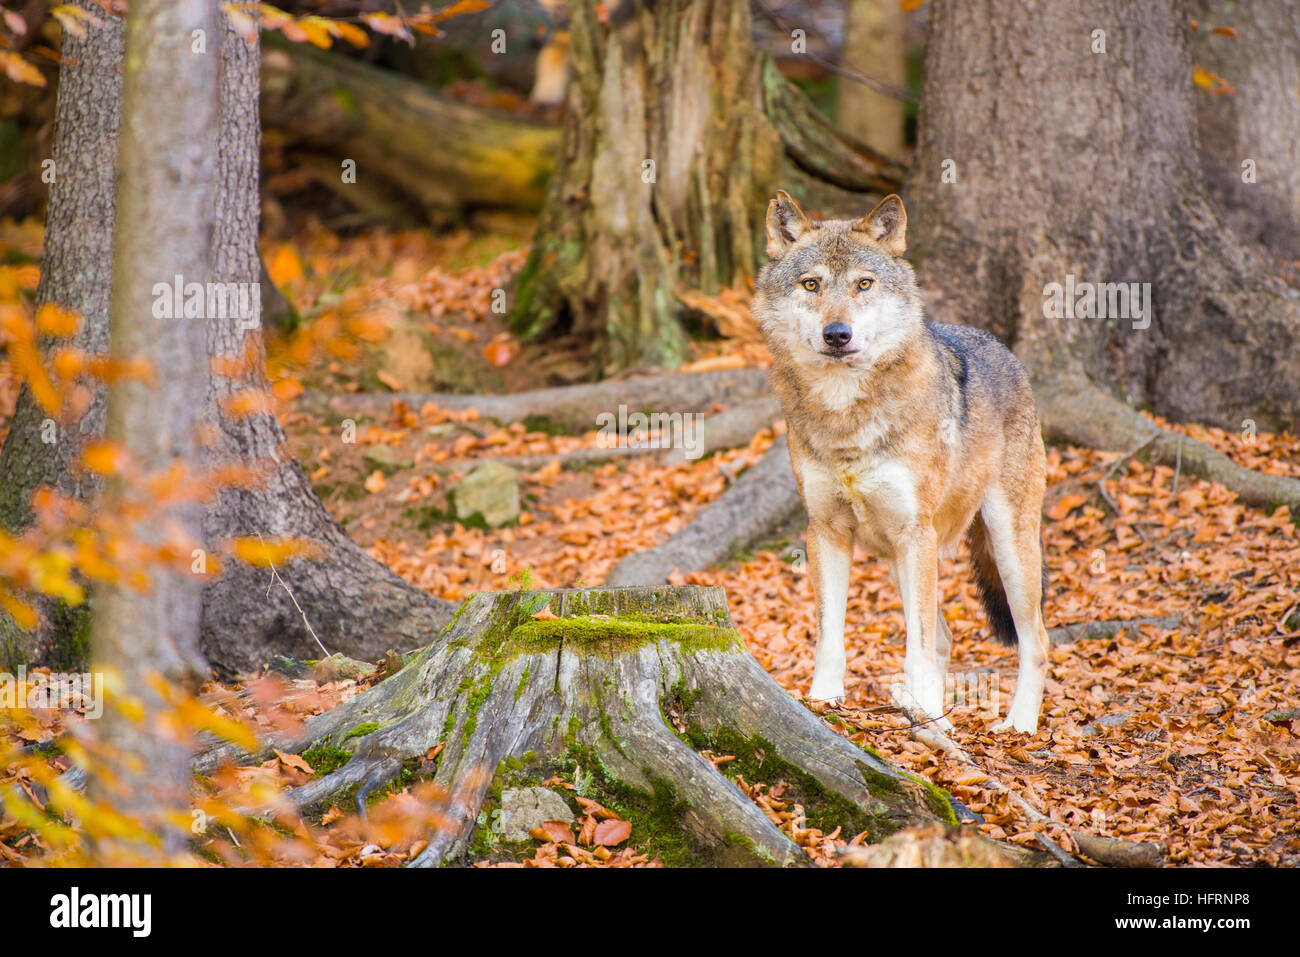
(865, 284)
(810, 285)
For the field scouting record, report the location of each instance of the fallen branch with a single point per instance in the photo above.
(573, 408)
(928, 732)
(1113, 853)
(1065, 634)
(726, 430)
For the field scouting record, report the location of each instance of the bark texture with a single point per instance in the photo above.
(874, 44)
(626, 686)
(353, 604)
(666, 164)
(1258, 123)
(1070, 162)
(165, 209)
(76, 272)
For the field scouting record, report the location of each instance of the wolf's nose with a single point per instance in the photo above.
(837, 335)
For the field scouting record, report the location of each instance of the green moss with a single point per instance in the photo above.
(543, 423)
(325, 759)
(362, 729)
(610, 636)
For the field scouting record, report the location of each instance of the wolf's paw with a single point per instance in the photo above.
(831, 692)
(1024, 720)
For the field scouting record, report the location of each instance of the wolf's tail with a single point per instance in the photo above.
(993, 595)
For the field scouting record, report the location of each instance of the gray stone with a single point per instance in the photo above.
(384, 457)
(491, 491)
(523, 809)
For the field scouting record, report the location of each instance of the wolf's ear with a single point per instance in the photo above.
(886, 225)
(786, 222)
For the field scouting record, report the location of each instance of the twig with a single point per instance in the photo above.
(275, 577)
(1101, 486)
(938, 739)
(880, 86)
(1178, 465)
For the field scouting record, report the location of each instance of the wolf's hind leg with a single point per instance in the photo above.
(830, 558)
(1017, 549)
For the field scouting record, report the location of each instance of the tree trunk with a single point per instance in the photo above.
(165, 208)
(352, 603)
(624, 688)
(76, 272)
(666, 163)
(1258, 124)
(676, 134)
(1075, 163)
(874, 44)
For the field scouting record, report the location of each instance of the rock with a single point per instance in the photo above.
(340, 667)
(385, 458)
(523, 809)
(489, 493)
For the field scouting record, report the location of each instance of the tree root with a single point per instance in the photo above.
(1083, 414)
(762, 499)
(727, 430)
(616, 691)
(572, 408)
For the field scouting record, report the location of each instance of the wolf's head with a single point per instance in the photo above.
(837, 293)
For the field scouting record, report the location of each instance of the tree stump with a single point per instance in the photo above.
(617, 690)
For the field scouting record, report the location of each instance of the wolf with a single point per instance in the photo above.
(904, 436)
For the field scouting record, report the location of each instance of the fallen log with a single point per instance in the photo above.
(571, 408)
(621, 689)
(440, 153)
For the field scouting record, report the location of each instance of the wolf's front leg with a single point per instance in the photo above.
(830, 557)
(917, 570)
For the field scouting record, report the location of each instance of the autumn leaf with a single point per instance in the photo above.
(1065, 506)
(15, 22)
(294, 761)
(285, 266)
(350, 32)
(611, 832)
(375, 482)
(255, 551)
(461, 7)
(317, 32)
(552, 832)
(389, 25)
(501, 351)
(104, 457)
(19, 70)
(74, 19)
(55, 320)
(910, 5)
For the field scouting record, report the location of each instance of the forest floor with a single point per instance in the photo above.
(1174, 735)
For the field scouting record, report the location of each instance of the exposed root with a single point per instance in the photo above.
(760, 501)
(572, 408)
(1081, 413)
